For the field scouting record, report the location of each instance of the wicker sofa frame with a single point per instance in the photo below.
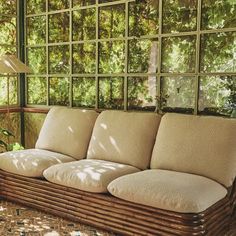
(110, 213)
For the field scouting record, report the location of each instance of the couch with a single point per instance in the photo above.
(133, 173)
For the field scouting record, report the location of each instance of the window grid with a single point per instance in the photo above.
(126, 74)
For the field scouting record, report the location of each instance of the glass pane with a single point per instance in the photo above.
(58, 4)
(4, 90)
(36, 58)
(143, 18)
(142, 93)
(111, 57)
(36, 30)
(59, 57)
(59, 91)
(83, 2)
(59, 27)
(84, 24)
(222, 15)
(7, 50)
(104, 1)
(7, 30)
(179, 16)
(36, 6)
(179, 54)
(217, 95)
(177, 94)
(84, 58)
(37, 90)
(8, 7)
(84, 92)
(111, 92)
(143, 55)
(112, 21)
(218, 52)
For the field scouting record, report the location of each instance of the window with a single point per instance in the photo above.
(133, 54)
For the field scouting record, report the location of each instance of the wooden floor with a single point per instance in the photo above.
(232, 231)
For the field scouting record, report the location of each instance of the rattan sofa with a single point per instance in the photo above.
(130, 173)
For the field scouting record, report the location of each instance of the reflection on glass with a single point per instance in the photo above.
(111, 57)
(58, 4)
(80, 3)
(218, 14)
(36, 58)
(36, 30)
(142, 93)
(84, 58)
(8, 7)
(177, 94)
(36, 6)
(59, 91)
(4, 90)
(112, 21)
(218, 52)
(179, 16)
(143, 18)
(7, 30)
(84, 24)
(7, 50)
(111, 92)
(84, 92)
(36, 90)
(59, 27)
(179, 54)
(217, 95)
(143, 55)
(59, 57)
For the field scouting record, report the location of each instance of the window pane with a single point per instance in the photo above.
(58, 4)
(37, 59)
(111, 92)
(83, 2)
(111, 57)
(59, 27)
(218, 52)
(36, 30)
(177, 94)
(179, 16)
(142, 93)
(7, 30)
(8, 7)
(112, 21)
(4, 82)
(143, 55)
(143, 18)
(84, 92)
(104, 1)
(179, 54)
(7, 50)
(37, 90)
(217, 95)
(36, 6)
(59, 57)
(84, 24)
(84, 58)
(59, 91)
(222, 15)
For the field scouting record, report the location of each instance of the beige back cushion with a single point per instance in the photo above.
(196, 144)
(67, 131)
(124, 137)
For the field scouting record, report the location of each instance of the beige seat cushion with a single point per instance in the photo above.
(87, 175)
(197, 144)
(168, 190)
(124, 137)
(31, 162)
(67, 131)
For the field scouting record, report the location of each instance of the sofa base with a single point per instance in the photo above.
(107, 212)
